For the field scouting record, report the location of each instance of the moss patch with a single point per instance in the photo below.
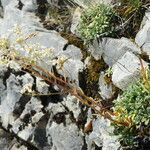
(90, 77)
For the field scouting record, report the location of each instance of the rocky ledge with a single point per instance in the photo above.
(57, 122)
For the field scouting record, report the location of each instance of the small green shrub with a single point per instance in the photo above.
(96, 21)
(134, 107)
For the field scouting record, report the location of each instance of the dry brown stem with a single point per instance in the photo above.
(67, 87)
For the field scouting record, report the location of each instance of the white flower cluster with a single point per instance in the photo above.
(4, 43)
(27, 88)
(21, 48)
(4, 48)
(35, 53)
(32, 53)
(60, 61)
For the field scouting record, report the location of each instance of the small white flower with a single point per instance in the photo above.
(26, 88)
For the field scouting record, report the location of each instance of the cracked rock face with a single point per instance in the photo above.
(106, 90)
(100, 135)
(126, 73)
(44, 121)
(143, 36)
(111, 49)
(29, 23)
(72, 140)
(40, 121)
(4, 140)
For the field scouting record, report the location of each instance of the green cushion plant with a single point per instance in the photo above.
(96, 21)
(134, 107)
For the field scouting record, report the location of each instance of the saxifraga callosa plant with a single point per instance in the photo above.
(122, 19)
(96, 21)
(134, 107)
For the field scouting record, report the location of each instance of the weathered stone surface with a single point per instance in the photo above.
(11, 18)
(65, 137)
(69, 63)
(17, 146)
(1, 13)
(101, 135)
(5, 3)
(114, 49)
(7, 141)
(96, 49)
(143, 36)
(42, 87)
(55, 120)
(29, 5)
(61, 131)
(11, 96)
(3, 70)
(27, 116)
(126, 70)
(28, 24)
(73, 105)
(105, 88)
(4, 140)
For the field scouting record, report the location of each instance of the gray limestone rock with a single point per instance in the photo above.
(96, 49)
(60, 130)
(114, 49)
(2, 87)
(25, 116)
(8, 142)
(106, 90)
(8, 100)
(28, 24)
(41, 87)
(3, 70)
(73, 105)
(4, 140)
(19, 112)
(17, 146)
(65, 137)
(101, 135)
(69, 63)
(29, 5)
(143, 36)
(6, 2)
(126, 70)
(1, 12)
